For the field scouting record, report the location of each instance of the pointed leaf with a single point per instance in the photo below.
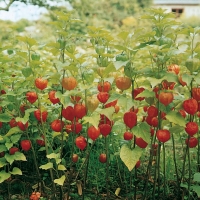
(108, 112)
(176, 117)
(142, 130)
(16, 171)
(119, 64)
(113, 97)
(93, 120)
(109, 68)
(53, 155)
(47, 166)
(196, 188)
(13, 131)
(197, 177)
(125, 102)
(58, 160)
(146, 93)
(2, 162)
(187, 78)
(61, 167)
(2, 148)
(5, 117)
(15, 138)
(4, 176)
(60, 181)
(19, 156)
(176, 129)
(9, 158)
(27, 71)
(130, 156)
(8, 145)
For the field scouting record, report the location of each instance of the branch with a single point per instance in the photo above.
(7, 6)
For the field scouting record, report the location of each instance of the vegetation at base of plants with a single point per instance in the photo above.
(72, 144)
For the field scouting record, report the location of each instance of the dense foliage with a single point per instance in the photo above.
(117, 118)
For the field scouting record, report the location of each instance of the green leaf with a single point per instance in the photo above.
(60, 181)
(130, 156)
(30, 41)
(146, 93)
(9, 158)
(5, 117)
(8, 145)
(89, 76)
(196, 188)
(19, 156)
(47, 166)
(126, 102)
(197, 177)
(119, 127)
(109, 68)
(15, 138)
(26, 116)
(64, 98)
(142, 130)
(16, 171)
(4, 176)
(53, 155)
(187, 78)
(113, 97)
(123, 35)
(154, 81)
(3, 148)
(61, 167)
(176, 129)
(27, 71)
(13, 131)
(119, 64)
(176, 118)
(71, 68)
(170, 77)
(58, 160)
(93, 120)
(54, 78)
(3, 162)
(108, 112)
(23, 55)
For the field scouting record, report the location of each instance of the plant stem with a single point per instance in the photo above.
(47, 152)
(148, 167)
(86, 162)
(175, 164)
(158, 168)
(189, 166)
(71, 162)
(184, 160)
(107, 167)
(34, 157)
(164, 170)
(198, 151)
(61, 118)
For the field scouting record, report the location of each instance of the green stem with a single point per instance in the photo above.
(107, 167)
(189, 166)
(71, 163)
(34, 158)
(164, 170)
(158, 168)
(198, 151)
(47, 152)
(61, 118)
(86, 169)
(147, 174)
(175, 164)
(184, 160)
